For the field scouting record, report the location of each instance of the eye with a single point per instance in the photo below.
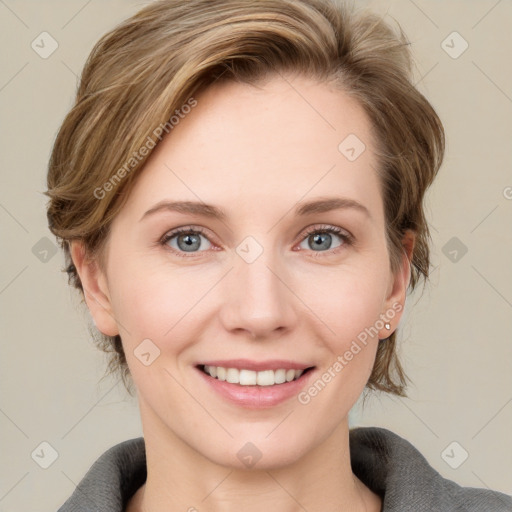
(320, 239)
(185, 240)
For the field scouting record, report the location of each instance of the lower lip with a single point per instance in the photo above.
(257, 397)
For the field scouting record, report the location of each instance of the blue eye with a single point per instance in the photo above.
(187, 241)
(321, 238)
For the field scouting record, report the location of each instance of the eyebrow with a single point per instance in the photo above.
(303, 209)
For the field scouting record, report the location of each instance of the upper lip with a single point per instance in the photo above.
(247, 364)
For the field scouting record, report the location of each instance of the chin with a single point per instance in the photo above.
(259, 451)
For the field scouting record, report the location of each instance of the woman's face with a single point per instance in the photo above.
(265, 286)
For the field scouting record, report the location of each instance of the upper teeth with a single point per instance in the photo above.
(251, 378)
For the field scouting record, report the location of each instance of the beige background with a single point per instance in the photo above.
(456, 340)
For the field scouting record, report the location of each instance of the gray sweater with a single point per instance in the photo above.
(385, 462)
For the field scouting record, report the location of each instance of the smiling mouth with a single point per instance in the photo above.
(245, 377)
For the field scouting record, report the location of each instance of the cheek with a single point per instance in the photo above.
(348, 304)
(349, 316)
(144, 303)
(156, 303)
(347, 301)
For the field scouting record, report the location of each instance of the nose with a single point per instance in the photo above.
(258, 298)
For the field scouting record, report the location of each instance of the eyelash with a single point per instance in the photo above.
(345, 236)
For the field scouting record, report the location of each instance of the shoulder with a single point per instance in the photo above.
(392, 467)
(111, 480)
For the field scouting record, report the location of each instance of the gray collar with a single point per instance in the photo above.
(388, 464)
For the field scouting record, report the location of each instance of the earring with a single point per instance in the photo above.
(388, 327)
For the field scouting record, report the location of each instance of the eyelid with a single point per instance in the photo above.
(327, 228)
(168, 235)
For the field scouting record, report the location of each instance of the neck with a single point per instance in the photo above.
(181, 478)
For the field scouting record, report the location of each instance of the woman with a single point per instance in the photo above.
(238, 192)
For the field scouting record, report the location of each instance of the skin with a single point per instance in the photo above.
(256, 152)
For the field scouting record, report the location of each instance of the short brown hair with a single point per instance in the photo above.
(144, 70)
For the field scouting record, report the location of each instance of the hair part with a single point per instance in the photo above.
(146, 69)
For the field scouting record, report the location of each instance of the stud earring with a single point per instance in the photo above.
(387, 326)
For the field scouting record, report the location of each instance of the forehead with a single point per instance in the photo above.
(276, 143)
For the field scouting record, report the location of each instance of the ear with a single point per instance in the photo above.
(395, 300)
(95, 287)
